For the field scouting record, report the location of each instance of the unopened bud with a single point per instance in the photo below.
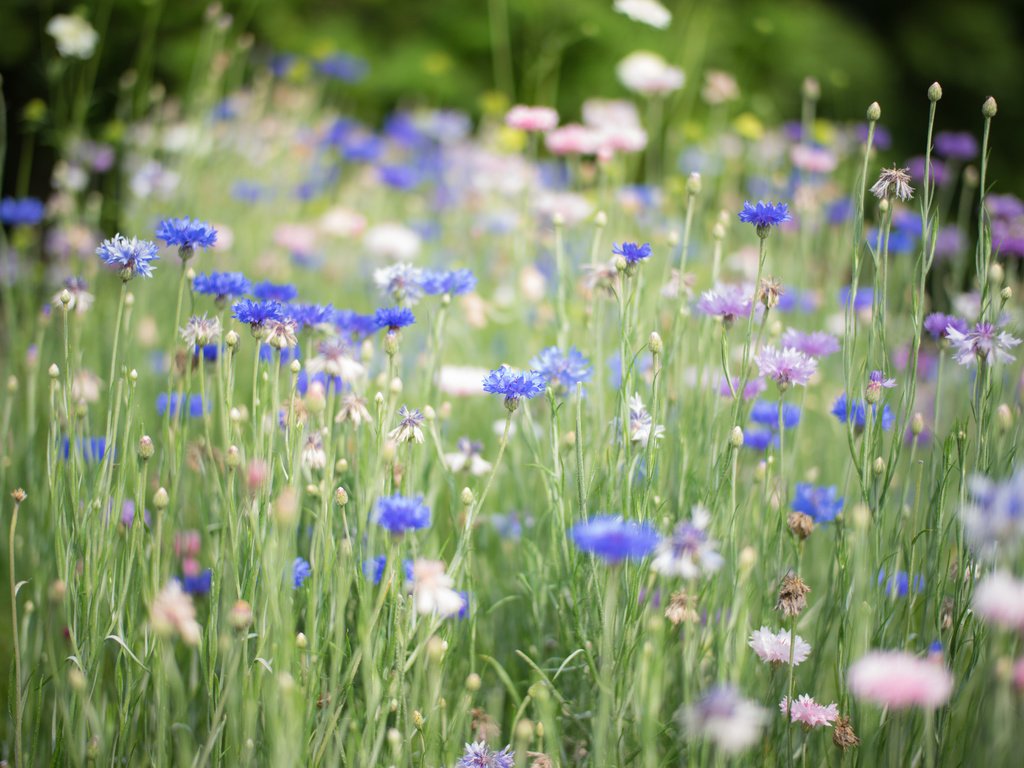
(558, 219)
(467, 497)
(341, 465)
(694, 184)
(436, 648)
(231, 339)
(429, 413)
(146, 448)
(340, 496)
(748, 558)
(811, 89)
(417, 720)
(295, 366)
(160, 498)
(240, 615)
(301, 642)
(473, 682)
(1004, 417)
(655, 343)
(57, 591)
(601, 219)
(916, 424)
(736, 437)
(524, 730)
(129, 300)
(874, 112)
(718, 231)
(53, 371)
(934, 92)
(234, 457)
(878, 465)
(65, 297)
(1006, 294)
(989, 108)
(996, 273)
(620, 263)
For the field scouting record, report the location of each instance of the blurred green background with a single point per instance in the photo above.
(449, 52)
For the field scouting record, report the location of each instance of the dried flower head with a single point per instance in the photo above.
(800, 525)
(893, 182)
(843, 735)
(682, 607)
(792, 596)
(769, 291)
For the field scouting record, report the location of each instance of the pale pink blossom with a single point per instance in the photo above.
(531, 119)
(649, 12)
(999, 600)
(809, 712)
(602, 113)
(648, 74)
(461, 380)
(432, 591)
(573, 139)
(900, 680)
(342, 222)
(719, 87)
(813, 159)
(296, 238)
(393, 241)
(774, 647)
(172, 613)
(1018, 674)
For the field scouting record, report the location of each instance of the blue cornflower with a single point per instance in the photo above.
(820, 502)
(759, 439)
(632, 253)
(198, 584)
(222, 285)
(21, 211)
(343, 66)
(257, 313)
(93, 449)
(354, 324)
(899, 583)
(864, 299)
(452, 282)
(131, 257)
(301, 571)
(399, 514)
(285, 356)
(562, 371)
(267, 291)
(373, 568)
(310, 315)
(857, 413)
(479, 755)
(764, 216)
(513, 385)
(767, 413)
(188, 234)
(400, 177)
(614, 539)
(194, 403)
(393, 318)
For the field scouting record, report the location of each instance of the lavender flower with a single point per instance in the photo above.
(981, 343)
(727, 302)
(725, 718)
(786, 367)
(453, 282)
(936, 324)
(815, 344)
(956, 145)
(689, 551)
(400, 282)
(131, 257)
(613, 539)
(993, 517)
(301, 570)
(857, 413)
(479, 755)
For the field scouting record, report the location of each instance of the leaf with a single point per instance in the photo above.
(117, 639)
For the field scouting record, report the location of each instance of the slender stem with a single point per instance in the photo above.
(18, 706)
(497, 462)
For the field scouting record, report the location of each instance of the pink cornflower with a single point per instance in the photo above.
(809, 712)
(813, 344)
(999, 600)
(531, 119)
(773, 647)
(899, 680)
(727, 302)
(981, 343)
(786, 367)
(572, 139)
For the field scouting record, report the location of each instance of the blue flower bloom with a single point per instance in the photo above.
(301, 571)
(614, 539)
(857, 413)
(767, 413)
(343, 66)
(285, 356)
(198, 584)
(453, 282)
(899, 583)
(399, 514)
(759, 439)
(764, 215)
(21, 211)
(188, 234)
(820, 502)
(864, 300)
(479, 755)
(373, 568)
(393, 318)
(131, 257)
(267, 291)
(93, 449)
(257, 313)
(194, 403)
(310, 315)
(513, 385)
(354, 324)
(400, 177)
(632, 252)
(249, 191)
(562, 371)
(222, 285)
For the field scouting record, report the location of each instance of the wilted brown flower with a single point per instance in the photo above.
(800, 525)
(768, 292)
(483, 726)
(792, 595)
(681, 607)
(843, 735)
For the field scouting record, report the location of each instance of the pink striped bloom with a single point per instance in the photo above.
(531, 119)
(809, 712)
(900, 680)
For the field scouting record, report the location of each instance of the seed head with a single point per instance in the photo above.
(792, 596)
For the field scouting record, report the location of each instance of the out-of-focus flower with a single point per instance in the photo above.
(399, 514)
(531, 119)
(172, 613)
(774, 647)
(999, 599)
(648, 74)
(479, 755)
(982, 342)
(613, 539)
(900, 680)
(432, 591)
(649, 12)
(468, 458)
(722, 716)
(689, 551)
(74, 36)
(785, 367)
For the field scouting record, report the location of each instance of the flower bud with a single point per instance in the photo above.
(129, 300)
(601, 219)
(231, 339)
(467, 497)
(693, 184)
(234, 457)
(417, 720)
(878, 465)
(811, 89)
(240, 615)
(736, 437)
(1006, 294)
(1004, 417)
(160, 498)
(473, 682)
(718, 231)
(295, 367)
(996, 273)
(429, 413)
(874, 112)
(989, 108)
(146, 448)
(916, 424)
(340, 496)
(934, 92)
(655, 343)
(436, 648)
(301, 642)
(558, 219)
(58, 589)
(53, 371)
(65, 297)
(341, 465)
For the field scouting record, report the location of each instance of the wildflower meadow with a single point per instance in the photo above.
(526, 438)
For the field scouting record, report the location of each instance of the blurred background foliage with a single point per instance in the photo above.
(454, 53)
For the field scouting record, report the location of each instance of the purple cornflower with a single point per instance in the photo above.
(479, 755)
(399, 514)
(355, 325)
(786, 367)
(562, 371)
(613, 539)
(267, 291)
(820, 502)
(689, 551)
(301, 571)
(937, 323)
(993, 516)
(876, 383)
(393, 318)
(727, 302)
(724, 717)
(188, 234)
(956, 145)
(343, 66)
(222, 285)
(751, 390)
(513, 385)
(767, 413)
(864, 298)
(632, 252)
(764, 216)
(981, 343)
(21, 211)
(452, 282)
(400, 282)
(257, 313)
(813, 344)
(131, 257)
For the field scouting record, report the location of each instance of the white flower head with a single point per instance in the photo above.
(75, 37)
